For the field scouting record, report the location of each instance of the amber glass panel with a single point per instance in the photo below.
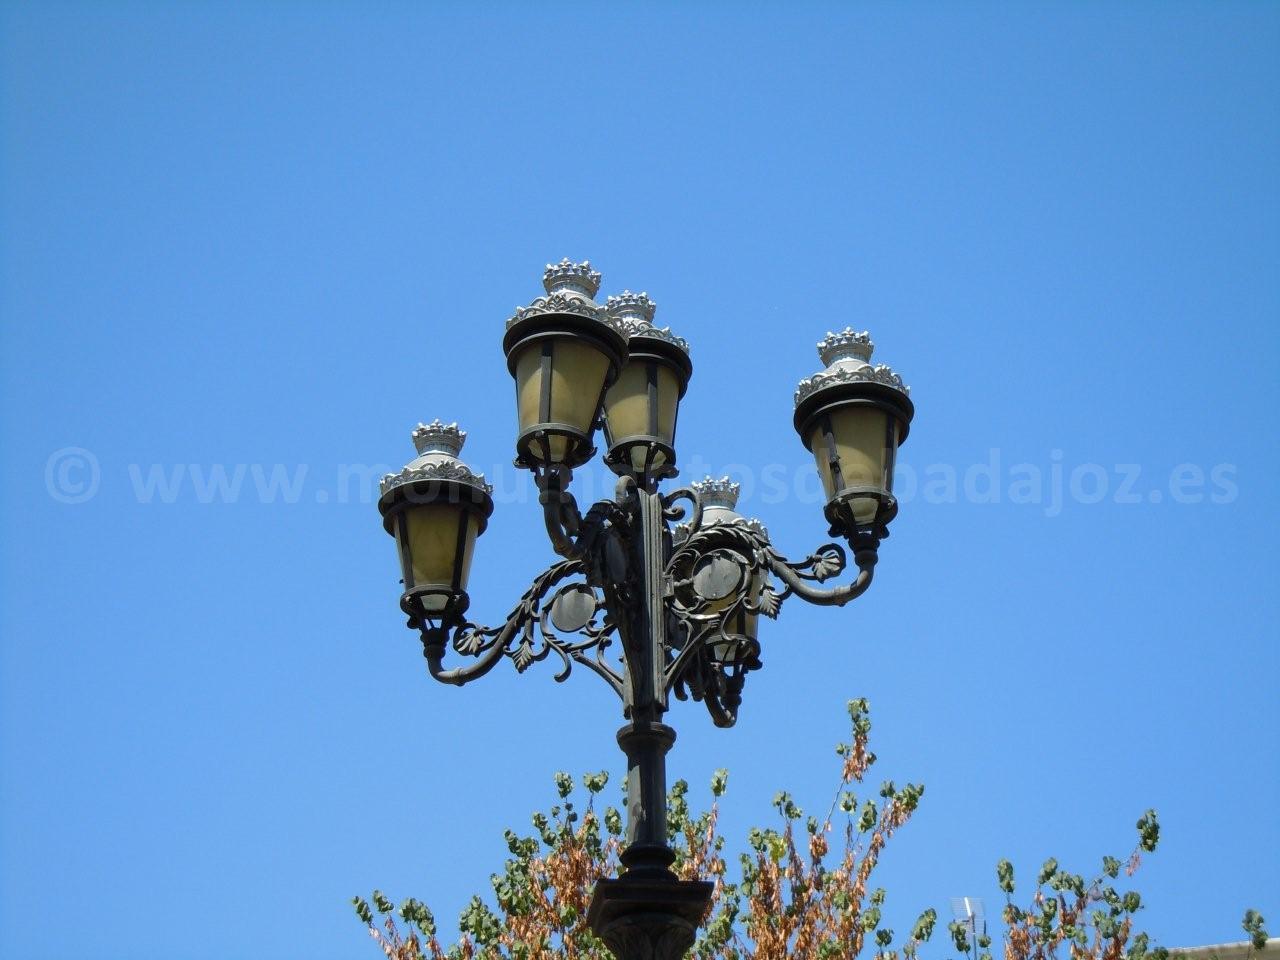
(627, 409)
(433, 543)
(862, 446)
(578, 371)
(626, 405)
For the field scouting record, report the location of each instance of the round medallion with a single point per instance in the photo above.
(573, 607)
(718, 575)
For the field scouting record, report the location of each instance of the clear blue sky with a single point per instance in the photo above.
(281, 234)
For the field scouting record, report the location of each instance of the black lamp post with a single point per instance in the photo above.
(682, 600)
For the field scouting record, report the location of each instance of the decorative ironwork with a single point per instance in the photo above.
(715, 573)
(527, 636)
(881, 373)
(659, 594)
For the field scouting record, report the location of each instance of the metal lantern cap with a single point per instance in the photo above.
(570, 289)
(632, 314)
(436, 475)
(849, 375)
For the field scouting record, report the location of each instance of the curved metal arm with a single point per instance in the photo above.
(824, 596)
(694, 521)
(433, 643)
(571, 534)
(559, 510)
(515, 639)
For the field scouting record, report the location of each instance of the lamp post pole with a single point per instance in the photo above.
(682, 600)
(648, 912)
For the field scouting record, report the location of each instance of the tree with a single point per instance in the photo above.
(802, 889)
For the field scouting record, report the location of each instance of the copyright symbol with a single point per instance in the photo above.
(71, 475)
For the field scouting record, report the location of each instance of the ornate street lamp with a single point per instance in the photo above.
(683, 602)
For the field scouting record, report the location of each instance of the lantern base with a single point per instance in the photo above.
(657, 460)
(535, 447)
(842, 514)
(434, 603)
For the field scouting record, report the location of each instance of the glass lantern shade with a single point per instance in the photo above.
(561, 365)
(435, 524)
(853, 431)
(741, 624)
(735, 649)
(436, 541)
(641, 408)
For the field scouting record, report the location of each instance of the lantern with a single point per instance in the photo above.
(563, 351)
(435, 507)
(722, 576)
(852, 417)
(640, 409)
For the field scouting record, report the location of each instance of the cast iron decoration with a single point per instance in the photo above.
(677, 580)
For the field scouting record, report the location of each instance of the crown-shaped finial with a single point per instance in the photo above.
(717, 493)
(439, 437)
(847, 355)
(631, 306)
(569, 277)
(848, 344)
(632, 313)
(438, 446)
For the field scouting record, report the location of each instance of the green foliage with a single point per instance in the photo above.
(795, 894)
(1004, 875)
(959, 935)
(923, 928)
(1048, 871)
(1148, 831)
(1253, 928)
(564, 784)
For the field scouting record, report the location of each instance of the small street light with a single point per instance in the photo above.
(682, 599)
